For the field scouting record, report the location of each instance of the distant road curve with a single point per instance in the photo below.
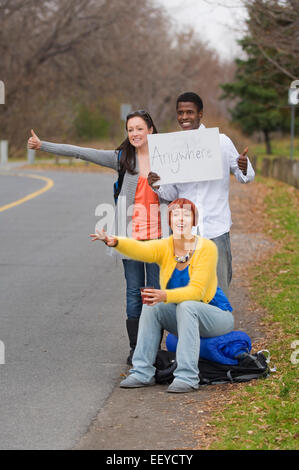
(49, 184)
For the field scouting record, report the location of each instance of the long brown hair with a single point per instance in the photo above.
(128, 156)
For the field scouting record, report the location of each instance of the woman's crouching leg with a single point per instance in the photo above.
(152, 321)
(195, 319)
(187, 352)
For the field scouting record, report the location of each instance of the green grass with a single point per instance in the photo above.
(280, 148)
(263, 414)
(67, 165)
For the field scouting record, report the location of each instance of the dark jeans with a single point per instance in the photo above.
(224, 266)
(139, 274)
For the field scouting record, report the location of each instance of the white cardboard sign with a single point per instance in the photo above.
(182, 157)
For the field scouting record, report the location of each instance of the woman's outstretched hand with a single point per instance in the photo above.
(102, 235)
(34, 142)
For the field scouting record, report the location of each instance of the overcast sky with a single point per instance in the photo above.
(220, 22)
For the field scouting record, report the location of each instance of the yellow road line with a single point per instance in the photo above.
(49, 185)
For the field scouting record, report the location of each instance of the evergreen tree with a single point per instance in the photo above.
(259, 91)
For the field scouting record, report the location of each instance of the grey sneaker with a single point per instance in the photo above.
(132, 382)
(178, 386)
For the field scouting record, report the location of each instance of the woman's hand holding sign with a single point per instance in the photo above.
(152, 179)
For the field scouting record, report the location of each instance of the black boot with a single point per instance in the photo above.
(132, 329)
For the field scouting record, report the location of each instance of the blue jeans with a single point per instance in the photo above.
(188, 320)
(224, 266)
(139, 274)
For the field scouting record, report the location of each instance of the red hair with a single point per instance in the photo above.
(182, 203)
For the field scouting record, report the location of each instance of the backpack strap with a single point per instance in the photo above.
(118, 160)
(246, 377)
(118, 184)
(267, 358)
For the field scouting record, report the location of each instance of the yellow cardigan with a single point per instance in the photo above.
(202, 269)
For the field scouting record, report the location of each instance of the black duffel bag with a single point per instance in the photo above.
(250, 366)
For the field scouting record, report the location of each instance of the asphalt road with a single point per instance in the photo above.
(62, 311)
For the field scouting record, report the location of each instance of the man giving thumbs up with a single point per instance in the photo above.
(210, 197)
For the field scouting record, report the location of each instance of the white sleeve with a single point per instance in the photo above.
(232, 156)
(168, 192)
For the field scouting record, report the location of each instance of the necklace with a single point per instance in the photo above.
(182, 259)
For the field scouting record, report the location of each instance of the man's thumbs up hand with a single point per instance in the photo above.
(242, 161)
(34, 142)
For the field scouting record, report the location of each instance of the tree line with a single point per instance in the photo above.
(259, 91)
(67, 66)
(66, 61)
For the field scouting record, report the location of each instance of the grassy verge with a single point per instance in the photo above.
(263, 414)
(72, 165)
(280, 148)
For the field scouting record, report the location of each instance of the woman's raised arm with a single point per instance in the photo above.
(108, 158)
(149, 251)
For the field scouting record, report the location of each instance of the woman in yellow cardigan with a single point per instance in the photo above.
(189, 304)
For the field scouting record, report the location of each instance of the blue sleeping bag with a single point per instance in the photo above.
(222, 349)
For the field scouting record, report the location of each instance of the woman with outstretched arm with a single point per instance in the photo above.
(131, 160)
(189, 303)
